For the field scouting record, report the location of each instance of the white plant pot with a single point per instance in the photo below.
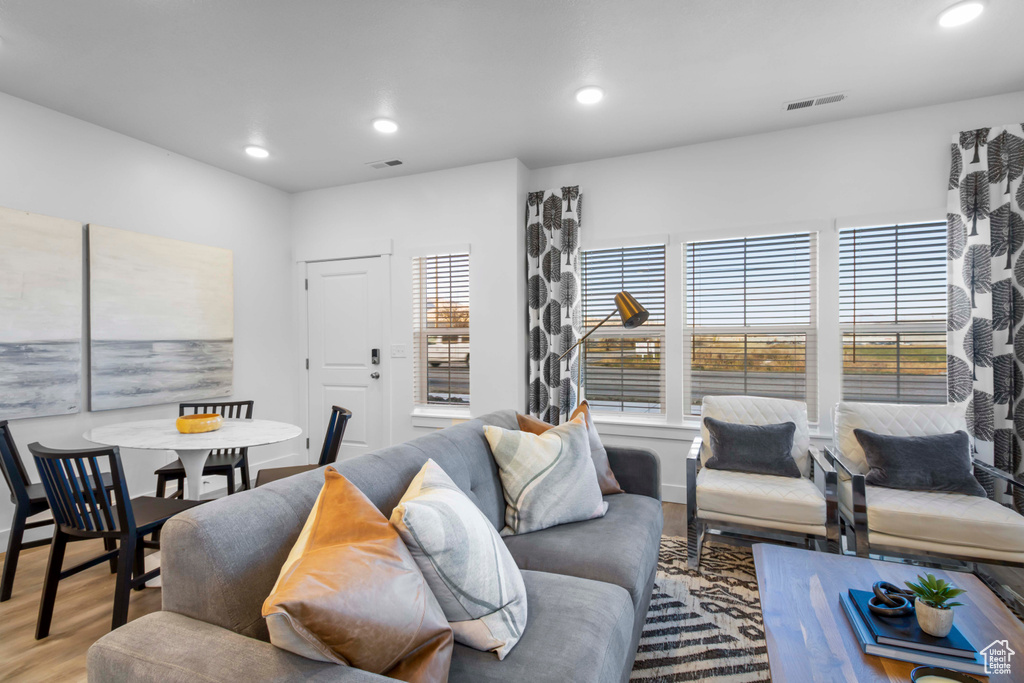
(934, 622)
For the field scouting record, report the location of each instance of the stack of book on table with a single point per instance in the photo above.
(901, 638)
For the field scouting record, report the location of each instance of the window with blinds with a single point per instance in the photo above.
(892, 307)
(441, 329)
(751, 319)
(624, 369)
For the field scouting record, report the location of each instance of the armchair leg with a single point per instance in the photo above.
(694, 540)
(833, 534)
(860, 544)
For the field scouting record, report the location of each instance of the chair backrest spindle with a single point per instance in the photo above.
(74, 488)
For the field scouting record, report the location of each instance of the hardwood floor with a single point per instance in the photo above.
(84, 607)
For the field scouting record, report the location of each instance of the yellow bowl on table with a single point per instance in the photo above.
(197, 424)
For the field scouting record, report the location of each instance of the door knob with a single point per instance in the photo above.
(374, 375)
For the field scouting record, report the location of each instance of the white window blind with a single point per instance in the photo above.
(752, 319)
(441, 329)
(624, 369)
(892, 307)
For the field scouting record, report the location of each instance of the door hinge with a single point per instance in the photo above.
(307, 443)
(307, 364)
(307, 284)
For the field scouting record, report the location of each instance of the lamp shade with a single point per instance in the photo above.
(631, 312)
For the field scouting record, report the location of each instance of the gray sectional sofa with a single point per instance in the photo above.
(588, 583)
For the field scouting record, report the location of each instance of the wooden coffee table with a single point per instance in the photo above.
(809, 637)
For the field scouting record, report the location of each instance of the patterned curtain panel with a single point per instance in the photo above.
(553, 277)
(986, 292)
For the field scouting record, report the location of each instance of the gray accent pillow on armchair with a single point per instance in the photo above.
(940, 463)
(757, 449)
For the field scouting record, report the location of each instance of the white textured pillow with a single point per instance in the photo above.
(466, 564)
(548, 479)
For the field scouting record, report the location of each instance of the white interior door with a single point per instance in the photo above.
(345, 301)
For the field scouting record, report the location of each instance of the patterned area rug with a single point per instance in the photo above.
(703, 625)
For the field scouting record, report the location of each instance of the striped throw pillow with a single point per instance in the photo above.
(548, 479)
(464, 561)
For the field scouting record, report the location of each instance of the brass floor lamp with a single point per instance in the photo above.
(631, 313)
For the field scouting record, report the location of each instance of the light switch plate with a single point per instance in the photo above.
(398, 350)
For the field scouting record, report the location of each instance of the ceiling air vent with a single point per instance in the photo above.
(384, 164)
(814, 101)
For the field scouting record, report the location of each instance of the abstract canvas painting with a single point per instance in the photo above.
(161, 320)
(40, 315)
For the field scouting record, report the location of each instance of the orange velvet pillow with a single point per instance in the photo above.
(350, 593)
(605, 476)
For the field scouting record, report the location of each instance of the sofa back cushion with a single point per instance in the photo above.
(891, 419)
(220, 560)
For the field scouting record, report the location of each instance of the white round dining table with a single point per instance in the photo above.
(192, 449)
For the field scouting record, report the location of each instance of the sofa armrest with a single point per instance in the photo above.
(638, 470)
(167, 647)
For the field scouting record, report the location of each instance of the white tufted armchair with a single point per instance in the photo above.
(889, 521)
(751, 507)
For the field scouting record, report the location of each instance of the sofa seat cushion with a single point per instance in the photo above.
(789, 500)
(945, 518)
(579, 630)
(620, 548)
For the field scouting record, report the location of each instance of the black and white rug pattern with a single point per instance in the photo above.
(703, 625)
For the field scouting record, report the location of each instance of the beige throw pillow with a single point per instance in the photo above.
(547, 479)
(466, 564)
(598, 453)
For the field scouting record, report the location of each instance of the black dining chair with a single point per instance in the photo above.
(328, 453)
(222, 462)
(29, 500)
(82, 512)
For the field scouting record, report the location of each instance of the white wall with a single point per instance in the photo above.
(477, 206)
(60, 166)
(891, 167)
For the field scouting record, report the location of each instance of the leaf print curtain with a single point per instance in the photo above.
(985, 338)
(553, 298)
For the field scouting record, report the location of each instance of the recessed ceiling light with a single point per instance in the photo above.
(960, 13)
(385, 125)
(589, 95)
(258, 152)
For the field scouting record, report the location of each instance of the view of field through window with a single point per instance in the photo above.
(624, 370)
(751, 316)
(892, 307)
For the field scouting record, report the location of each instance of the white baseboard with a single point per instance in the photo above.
(673, 493)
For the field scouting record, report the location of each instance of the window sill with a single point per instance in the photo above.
(439, 417)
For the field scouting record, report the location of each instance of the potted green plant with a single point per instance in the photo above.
(932, 604)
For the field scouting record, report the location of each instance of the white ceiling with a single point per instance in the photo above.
(478, 80)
